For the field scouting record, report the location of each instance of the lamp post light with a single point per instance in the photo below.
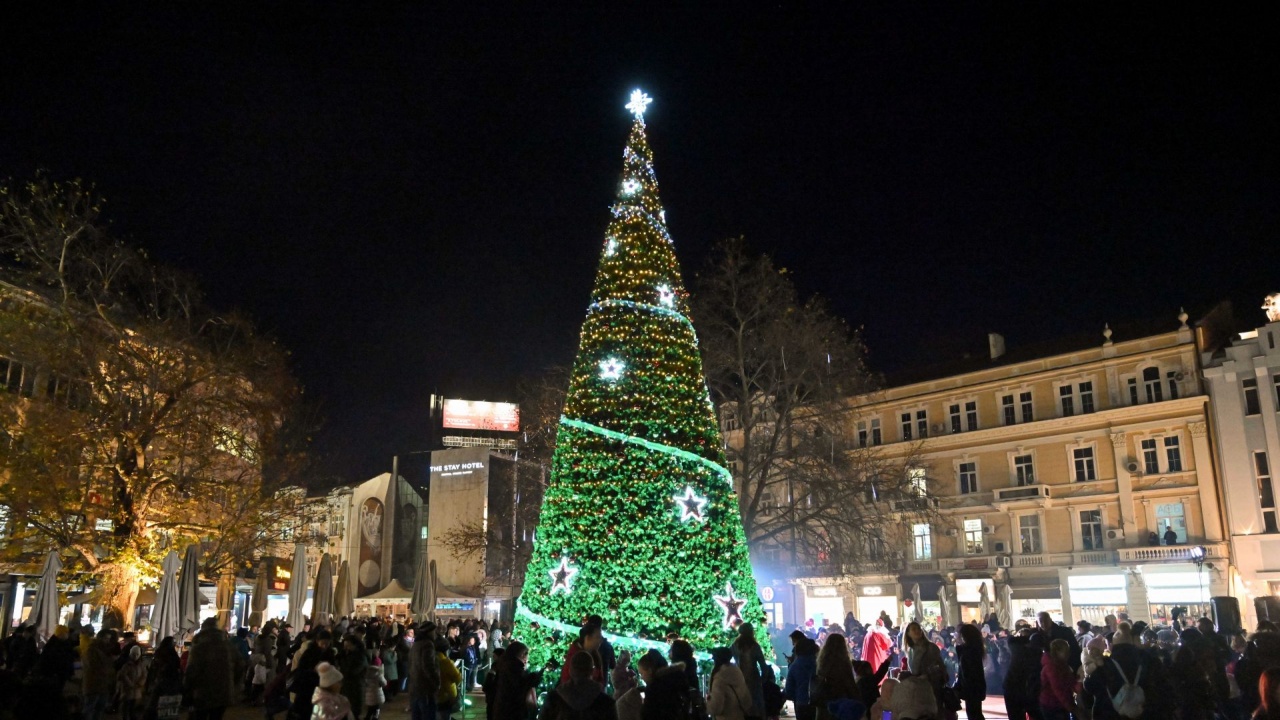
(1197, 556)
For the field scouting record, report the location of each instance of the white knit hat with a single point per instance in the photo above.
(329, 675)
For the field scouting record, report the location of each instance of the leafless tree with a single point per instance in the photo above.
(786, 375)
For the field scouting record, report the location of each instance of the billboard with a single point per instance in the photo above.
(480, 415)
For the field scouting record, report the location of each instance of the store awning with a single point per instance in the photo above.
(929, 586)
(1043, 592)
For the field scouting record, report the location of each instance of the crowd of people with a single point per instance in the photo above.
(344, 670)
(348, 670)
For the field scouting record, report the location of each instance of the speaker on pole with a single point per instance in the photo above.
(1226, 614)
(1267, 607)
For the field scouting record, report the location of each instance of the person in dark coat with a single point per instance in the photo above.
(1022, 678)
(353, 664)
(423, 675)
(1262, 652)
(210, 678)
(55, 666)
(1047, 631)
(800, 672)
(666, 694)
(164, 677)
(514, 690)
(581, 698)
(304, 679)
(971, 679)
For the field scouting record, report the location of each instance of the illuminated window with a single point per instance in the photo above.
(973, 537)
(919, 481)
(1172, 516)
(922, 540)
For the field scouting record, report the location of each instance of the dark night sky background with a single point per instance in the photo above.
(413, 201)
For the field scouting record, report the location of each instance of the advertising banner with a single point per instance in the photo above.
(480, 415)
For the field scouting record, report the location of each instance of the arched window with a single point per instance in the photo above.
(1151, 383)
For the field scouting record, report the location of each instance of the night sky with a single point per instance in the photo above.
(414, 202)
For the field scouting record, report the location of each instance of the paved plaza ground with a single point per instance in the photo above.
(398, 709)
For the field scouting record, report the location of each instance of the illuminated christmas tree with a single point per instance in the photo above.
(640, 523)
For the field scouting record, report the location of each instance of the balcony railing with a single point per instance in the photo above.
(1171, 553)
(1021, 492)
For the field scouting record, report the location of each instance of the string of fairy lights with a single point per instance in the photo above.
(639, 522)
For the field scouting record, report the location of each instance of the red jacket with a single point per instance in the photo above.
(597, 673)
(1057, 684)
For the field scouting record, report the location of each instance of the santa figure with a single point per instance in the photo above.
(877, 644)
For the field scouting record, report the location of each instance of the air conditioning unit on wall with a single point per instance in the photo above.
(1115, 534)
(1133, 467)
(1004, 561)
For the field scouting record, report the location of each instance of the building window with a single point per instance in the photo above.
(1266, 496)
(1007, 410)
(971, 415)
(1150, 457)
(1091, 529)
(1067, 400)
(919, 481)
(862, 434)
(766, 503)
(1024, 399)
(973, 537)
(923, 542)
(1024, 469)
(1029, 534)
(1133, 391)
(954, 412)
(876, 439)
(17, 378)
(906, 426)
(1172, 516)
(922, 423)
(1276, 382)
(1151, 384)
(1173, 454)
(968, 477)
(1084, 465)
(1172, 376)
(1086, 397)
(1251, 404)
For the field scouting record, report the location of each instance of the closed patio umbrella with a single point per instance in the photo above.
(44, 613)
(1004, 612)
(984, 604)
(165, 616)
(420, 605)
(322, 602)
(297, 587)
(189, 591)
(919, 607)
(258, 603)
(945, 604)
(344, 600)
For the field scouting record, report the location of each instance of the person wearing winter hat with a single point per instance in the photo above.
(328, 699)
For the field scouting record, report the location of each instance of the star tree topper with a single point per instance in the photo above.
(731, 604)
(639, 101)
(691, 505)
(562, 576)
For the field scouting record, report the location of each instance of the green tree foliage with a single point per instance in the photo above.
(639, 434)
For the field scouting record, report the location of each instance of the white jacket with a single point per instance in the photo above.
(730, 698)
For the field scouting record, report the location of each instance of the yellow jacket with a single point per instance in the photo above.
(450, 678)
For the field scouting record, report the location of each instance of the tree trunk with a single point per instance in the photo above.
(119, 586)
